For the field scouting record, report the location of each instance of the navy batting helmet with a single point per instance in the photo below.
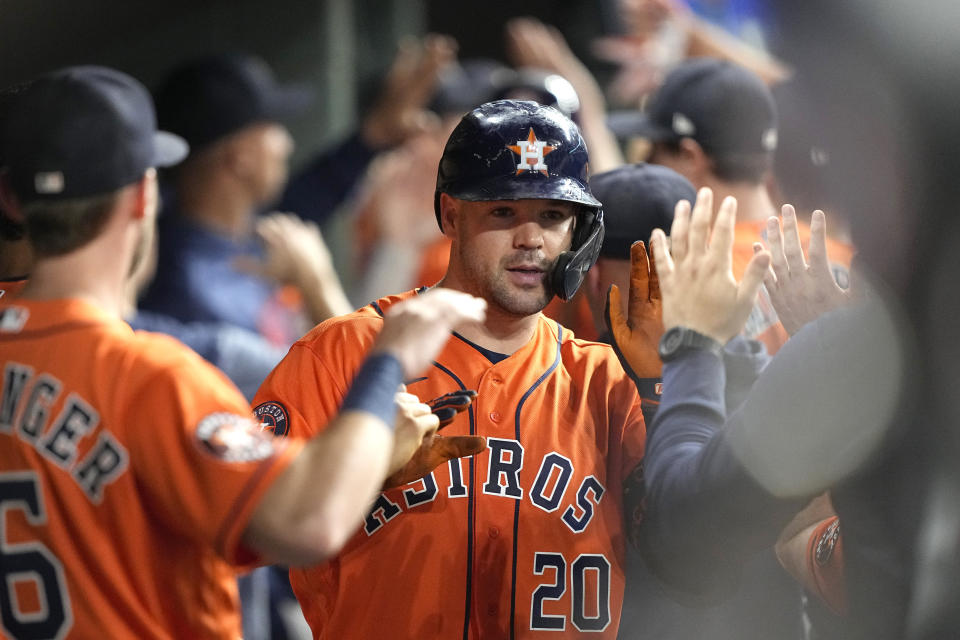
(519, 150)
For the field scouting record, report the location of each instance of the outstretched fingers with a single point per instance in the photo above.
(679, 229)
(700, 222)
(753, 276)
(639, 278)
(817, 250)
(721, 241)
(661, 254)
(791, 240)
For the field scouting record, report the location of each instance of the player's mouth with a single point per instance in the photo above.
(526, 274)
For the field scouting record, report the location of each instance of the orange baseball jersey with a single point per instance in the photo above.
(10, 288)
(763, 324)
(522, 541)
(129, 468)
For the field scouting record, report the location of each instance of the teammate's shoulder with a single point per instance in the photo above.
(356, 328)
(160, 352)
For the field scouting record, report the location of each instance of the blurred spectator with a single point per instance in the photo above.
(212, 266)
(716, 124)
(229, 108)
(397, 239)
(660, 34)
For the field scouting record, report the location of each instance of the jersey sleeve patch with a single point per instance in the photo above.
(827, 543)
(273, 418)
(233, 438)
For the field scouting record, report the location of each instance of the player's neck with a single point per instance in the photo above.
(80, 275)
(753, 200)
(96, 272)
(501, 332)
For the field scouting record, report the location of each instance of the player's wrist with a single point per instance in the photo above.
(678, 340)
(374, 388)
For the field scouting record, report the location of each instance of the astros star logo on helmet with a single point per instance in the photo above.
(531, 152)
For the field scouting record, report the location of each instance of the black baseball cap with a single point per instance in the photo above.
(726, 108)
(210, 97)
(637, 198)
(83, 131)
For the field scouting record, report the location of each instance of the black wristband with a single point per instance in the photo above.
(374, 388)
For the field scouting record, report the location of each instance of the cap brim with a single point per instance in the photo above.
(290, 100)
(628, 124)
(169, 149)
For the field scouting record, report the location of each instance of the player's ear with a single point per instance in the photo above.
(146, 194)
(448, 214)
(695, 159)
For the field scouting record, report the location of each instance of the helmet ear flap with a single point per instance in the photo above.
(570, 267)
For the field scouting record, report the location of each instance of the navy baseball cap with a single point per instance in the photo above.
(208, 98)
(83, 131)
(724, 107)
(637, 198)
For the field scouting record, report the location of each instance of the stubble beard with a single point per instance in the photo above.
(498, 291)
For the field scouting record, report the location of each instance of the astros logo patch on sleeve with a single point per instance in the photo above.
(531, 152)
(272, 417)
(233, 438)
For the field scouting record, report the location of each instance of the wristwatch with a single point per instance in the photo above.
(676, 340)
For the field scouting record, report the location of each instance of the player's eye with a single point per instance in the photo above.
(555, 215)
(501, 212)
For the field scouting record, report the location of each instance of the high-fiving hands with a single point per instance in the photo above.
(695, 270)
(801, 289)
(635, 337)
(435, 449)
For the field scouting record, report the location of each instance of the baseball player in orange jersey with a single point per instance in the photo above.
(133, 479)
(527, 539)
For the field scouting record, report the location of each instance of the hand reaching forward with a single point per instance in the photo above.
(635, 337)
(800, 290)
(696, 272)
(415, 330)
(436, 449)
(401, 110)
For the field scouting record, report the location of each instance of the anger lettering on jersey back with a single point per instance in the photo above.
(26, 398)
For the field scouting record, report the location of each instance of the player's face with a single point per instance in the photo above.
(505, 250)
(268, 147)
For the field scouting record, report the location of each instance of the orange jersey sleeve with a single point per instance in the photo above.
(763, 324)
(526, 538)
(135, 466)
(303, 393)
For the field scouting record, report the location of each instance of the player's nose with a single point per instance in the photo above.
(528, 235)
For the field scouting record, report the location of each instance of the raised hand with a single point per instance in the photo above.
(401, 109)
(696, 271)
(635, 337)
(415, 425)
(296, 254)
(435, 449)
(800, 290)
